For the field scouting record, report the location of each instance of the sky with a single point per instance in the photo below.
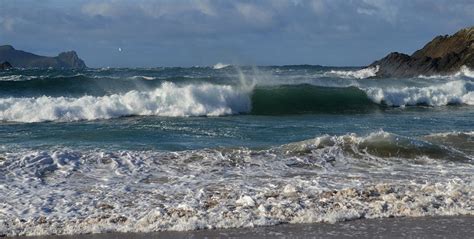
(146, 33)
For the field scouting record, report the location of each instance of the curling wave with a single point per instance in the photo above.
(167, 100)
(206, 99)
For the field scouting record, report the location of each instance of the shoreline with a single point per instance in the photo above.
(405, 227)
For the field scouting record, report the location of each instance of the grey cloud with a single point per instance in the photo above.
(186, 32)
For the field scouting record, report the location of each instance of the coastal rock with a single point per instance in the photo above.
(22, 59)
(5, 65)
(442, 55)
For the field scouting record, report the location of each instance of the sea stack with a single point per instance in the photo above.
(442, 55)
(22, 59)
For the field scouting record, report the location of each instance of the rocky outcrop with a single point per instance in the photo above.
(22, 59)
(442, 55)
(5, 65)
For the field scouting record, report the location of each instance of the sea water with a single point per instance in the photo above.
(151, 149)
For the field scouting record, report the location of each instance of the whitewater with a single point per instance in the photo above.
(223, 146)
(216, 99)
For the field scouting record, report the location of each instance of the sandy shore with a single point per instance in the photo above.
(423, 227)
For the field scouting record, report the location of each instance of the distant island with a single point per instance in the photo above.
(442, 55)
(11, 57)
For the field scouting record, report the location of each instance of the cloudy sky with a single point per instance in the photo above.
(204, 32)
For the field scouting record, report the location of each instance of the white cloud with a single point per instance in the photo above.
(205, 7)
(254, 13)
(99, 9)
(7, 23)
(318, 6)
(174, 8)
(381, 8)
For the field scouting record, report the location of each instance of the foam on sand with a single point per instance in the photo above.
(326, 179)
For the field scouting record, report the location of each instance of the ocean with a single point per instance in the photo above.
(170, 148)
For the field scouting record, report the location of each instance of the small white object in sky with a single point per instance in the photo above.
(120, 49)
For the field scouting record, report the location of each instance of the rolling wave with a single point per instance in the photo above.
(205, 99)
(166, 100)
(300, 99)
(68, 96)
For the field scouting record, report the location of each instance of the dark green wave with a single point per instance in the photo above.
(301, 99)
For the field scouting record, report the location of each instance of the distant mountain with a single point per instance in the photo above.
(442, 55)
(23, 59)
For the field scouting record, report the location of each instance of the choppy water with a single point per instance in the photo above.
(217, 147)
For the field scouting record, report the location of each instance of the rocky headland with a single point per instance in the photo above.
(23, 59)
(442, 55)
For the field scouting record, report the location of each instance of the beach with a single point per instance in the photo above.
(419, 227)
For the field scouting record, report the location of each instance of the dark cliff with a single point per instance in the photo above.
(22, 59)
(442, 55)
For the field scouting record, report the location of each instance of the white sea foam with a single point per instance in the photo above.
(167, 100)
(19, 77)
(220, 66)
(327, 179)
(358, 74)
(463, 72)
(453, 92)
(143, 77)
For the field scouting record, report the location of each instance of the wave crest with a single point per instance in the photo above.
(454, 92)
(167, 100)
(220, 66)
(358, 74)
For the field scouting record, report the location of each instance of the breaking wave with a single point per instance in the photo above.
(453, 92)
(220, 66)
(71, 96)
(358, 74)
(325, 179)
(206, 99)
(167, 100)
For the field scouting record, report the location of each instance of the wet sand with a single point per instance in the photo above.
(422, 227)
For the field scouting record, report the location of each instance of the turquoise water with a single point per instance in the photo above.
(281, 105)
(103, 150)
(164, 133)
